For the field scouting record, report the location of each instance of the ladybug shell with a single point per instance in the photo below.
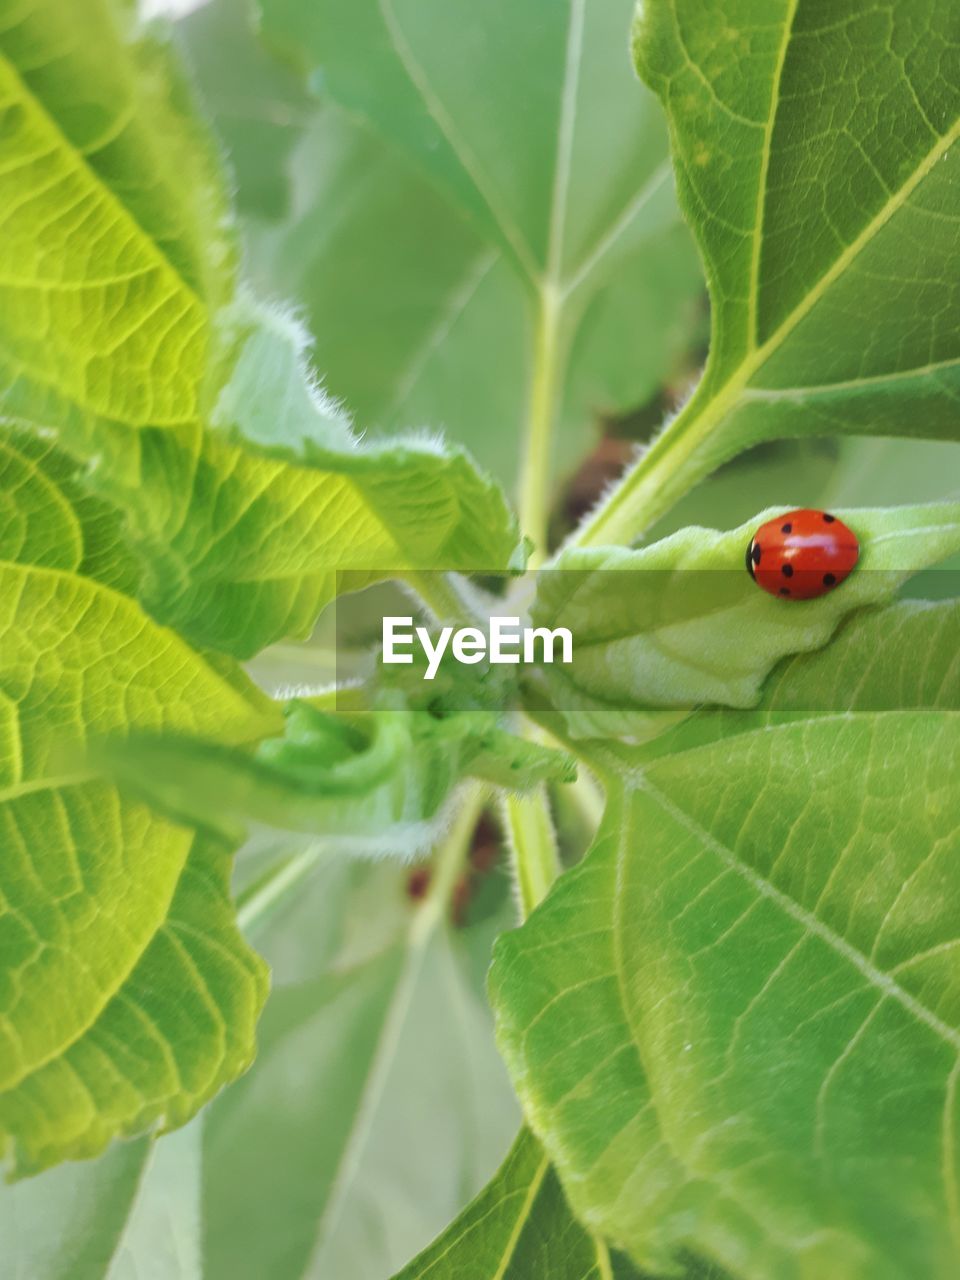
(802, 554)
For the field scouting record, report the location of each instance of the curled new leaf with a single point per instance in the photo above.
(378, 781)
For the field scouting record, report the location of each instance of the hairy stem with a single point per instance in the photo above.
(669, 469)
(440, 593)
(533, 844)
(449, 859)
(448, 863)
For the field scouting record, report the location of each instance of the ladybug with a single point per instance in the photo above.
(802, 554)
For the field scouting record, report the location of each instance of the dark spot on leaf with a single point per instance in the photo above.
(787, 570)
(829, 579)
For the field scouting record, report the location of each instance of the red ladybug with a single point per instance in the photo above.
(802, 554)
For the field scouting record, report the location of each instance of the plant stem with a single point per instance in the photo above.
(448, 862)
(533, 844)
(535, 465)
(528, 821)
(439, 593)
(667, 471)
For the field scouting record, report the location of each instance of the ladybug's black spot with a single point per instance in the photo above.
(829, 519)
(784, 591)
(787, 570)
(829, 579)
(756, 551)
(786, 528)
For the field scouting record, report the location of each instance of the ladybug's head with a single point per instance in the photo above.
(751, 559)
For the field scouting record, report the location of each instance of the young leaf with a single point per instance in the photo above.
(377, 782)
(812, 211)
(129, 353)
(680, 623)
(557, 218)
(115, 1028)
(759, 959)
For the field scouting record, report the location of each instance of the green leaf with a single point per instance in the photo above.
(458, 307)
(259, 104)
(132, 353)
(813, 210)
(377, 1105)
(89, 1203)
(417, 320)
(535, 77)
(552, 219)
(680, 623)
(521, 1226)
(250, 1194)
(518, 1226)
(127, 998)
(374, 782)
(135, 1212)
(759, 960)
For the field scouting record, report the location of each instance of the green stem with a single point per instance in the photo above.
(533, 844)
(447, 866)
(440, 594)
(673, 464)
(449, 860)
(685, 453)
(536, 462)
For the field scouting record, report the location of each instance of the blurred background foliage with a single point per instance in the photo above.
(378, 1105)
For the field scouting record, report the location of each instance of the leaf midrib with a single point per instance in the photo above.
(566, 130)
(30, 786)
(371, 1094)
